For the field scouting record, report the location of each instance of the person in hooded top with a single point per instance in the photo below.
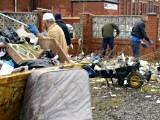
(59, 21)
(138, 35)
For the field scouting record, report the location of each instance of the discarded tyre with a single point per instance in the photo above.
(135, 80)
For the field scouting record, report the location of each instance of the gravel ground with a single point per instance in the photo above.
(122, 103)
(136, 107)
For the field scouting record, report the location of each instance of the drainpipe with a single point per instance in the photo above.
(15, 5)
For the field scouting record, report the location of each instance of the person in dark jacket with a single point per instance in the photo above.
(138, 34)
(59, 21)
(108, 38)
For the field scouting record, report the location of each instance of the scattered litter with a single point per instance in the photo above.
(117, 88)
(93, 108)
(158, 101)
(148, 96)
(96, 88)
(6, 69)
(104, 96)
(113, 95)
(152, 90)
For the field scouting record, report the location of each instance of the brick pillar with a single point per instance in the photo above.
(87, 31)
(121, 7)
(152, 27)
(152, 32)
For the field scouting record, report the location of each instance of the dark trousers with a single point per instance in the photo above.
(108, 41)
(136, 48)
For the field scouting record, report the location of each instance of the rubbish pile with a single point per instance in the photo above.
(126, 70)
(20, 51)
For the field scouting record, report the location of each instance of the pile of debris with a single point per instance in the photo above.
(126, 70)
(20, 51)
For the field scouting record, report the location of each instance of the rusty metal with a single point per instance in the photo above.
(11, 95)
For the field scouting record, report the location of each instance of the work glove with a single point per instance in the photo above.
(143, 44)
(33, 28)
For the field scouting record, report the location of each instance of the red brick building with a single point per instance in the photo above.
(67, 7)
(75, 7)
(98, 7)
(138, 7)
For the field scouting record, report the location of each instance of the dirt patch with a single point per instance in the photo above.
(124, 103)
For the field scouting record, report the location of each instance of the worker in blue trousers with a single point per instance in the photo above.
(138, 35)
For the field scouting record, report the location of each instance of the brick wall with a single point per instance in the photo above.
(94, 44)
(66, 7)
(9, 5)
(72, 8)
(6, 5)
(63, 6)
(139, 7)
(23, 5)
(92, 8)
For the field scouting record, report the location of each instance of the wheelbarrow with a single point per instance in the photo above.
(130, 73)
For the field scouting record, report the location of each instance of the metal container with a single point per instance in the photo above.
(11, 95)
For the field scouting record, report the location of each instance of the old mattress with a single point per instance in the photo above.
(57, 95)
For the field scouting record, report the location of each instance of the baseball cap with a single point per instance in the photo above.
(48, 16)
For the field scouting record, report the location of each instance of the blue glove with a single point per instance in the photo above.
(151, 42)
(33, 29)
(44, 33)
(144, 45)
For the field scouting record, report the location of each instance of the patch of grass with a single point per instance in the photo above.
(151, 90)
(129, 91)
